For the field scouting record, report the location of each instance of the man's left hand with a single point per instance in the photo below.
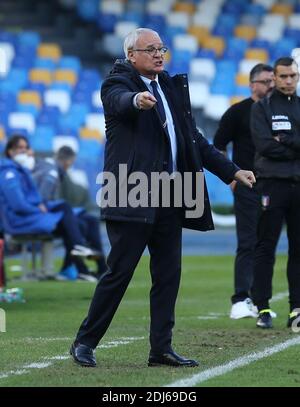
(245, 177)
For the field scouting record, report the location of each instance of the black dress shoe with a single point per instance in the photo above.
(170, 359)
(83, 355)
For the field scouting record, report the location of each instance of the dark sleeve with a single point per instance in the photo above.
(226, 130)
(117, 98)
(214, 161)
(290, 140)
(263, 138)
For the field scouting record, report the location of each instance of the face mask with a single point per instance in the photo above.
(25, 160)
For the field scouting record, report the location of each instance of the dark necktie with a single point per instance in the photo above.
(168, 162)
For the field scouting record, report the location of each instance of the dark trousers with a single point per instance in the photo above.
(89, 226)
(280, 202)
(128, 241)
(246, 204)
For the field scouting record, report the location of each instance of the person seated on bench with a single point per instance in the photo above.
(53, 182)
(24, 212)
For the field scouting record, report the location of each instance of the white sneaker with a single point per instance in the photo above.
(243, 309)
(87, 277)
(83, 251)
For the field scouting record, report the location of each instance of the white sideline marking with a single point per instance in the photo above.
(279, 296)
(234, 364)
(43, 365)
(39, 365)
(13, 372)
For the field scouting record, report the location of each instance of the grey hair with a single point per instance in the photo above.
(131, 39)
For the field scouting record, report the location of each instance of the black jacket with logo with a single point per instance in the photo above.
(277, 115)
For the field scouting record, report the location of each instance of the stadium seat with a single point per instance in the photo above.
(95, 121)
(284, 9)
(41, 76)
(158, 7)
(199, 93)
(199, 32)
(202, 69)
(178, 19)
(60, 141)
(30, 97)
(247, 32)
(49, 50)
(44, 63)
(294, 21)
(112, 6)
(112, 44)
(242, 79)
(267, 4)
(59, 98)
(122, 28)
(7, 53)
(257, 53)
(29, 38)
(204, 20)
(216, 105)
(246, 65)
(184, 7)
(70, 62)
(20, 120)
(216, 44)
(186, 42)
(96, 100)
(65, 75)
(91, 134)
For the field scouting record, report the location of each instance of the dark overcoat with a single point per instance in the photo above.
(137, 138)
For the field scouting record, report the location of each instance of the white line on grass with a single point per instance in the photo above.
(50, 359)
(279, 296)
(234, 364)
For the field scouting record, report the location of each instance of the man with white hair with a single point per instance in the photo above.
(150, 129)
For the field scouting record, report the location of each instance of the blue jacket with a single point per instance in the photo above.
(19, 200)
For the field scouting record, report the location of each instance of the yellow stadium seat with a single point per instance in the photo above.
(201, 33)
(2, 134)
(50, 51)
(30, 97)
(40, 75)
(248, 32)
(185, 7)
(87, 133)
(215, 43)
(242, 79)
(65, 75)
(236, 99)
(257, 53)
(284, 9)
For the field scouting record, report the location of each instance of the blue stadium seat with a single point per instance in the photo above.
(45, 63)
(48, 116)
(242, 91)
(28, 108)
(88, 9)
(29, 38)
(42, 143)
(70, 62)
(106, 22)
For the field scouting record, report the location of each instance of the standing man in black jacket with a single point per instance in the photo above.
(275, 125)
(150, 129)
(234, 127)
